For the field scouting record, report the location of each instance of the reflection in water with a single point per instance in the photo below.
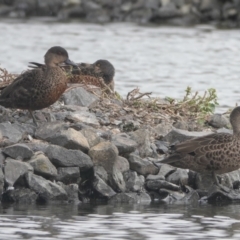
(156, 59)
(120, 222)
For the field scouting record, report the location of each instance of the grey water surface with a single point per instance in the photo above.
(162, 60)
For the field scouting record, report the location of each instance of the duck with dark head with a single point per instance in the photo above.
(100, 73)
(40, 87)
(216, 153)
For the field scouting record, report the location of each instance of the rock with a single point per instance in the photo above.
(142, 198)
(42, 166)
(102, 188)
(45, 189)
(101, 172)
(70, 139)
(116, 180)
(204, 181)
(159, 184)
(2, 159)
(122, 164)
(141, 136)
(134, 183)
(68, 175)
(18, 151)
(142, 166)
(62, 157)
(124, 144)
(37, 145)
(48, 130)
(168, 10)
(162, 129)
(9, 133)
(92, 137)
(179, 177)
(21, 196)
(178, 135)
(79, 96)
(72, 192)
(218, 121)
(84, 117)
(162, 147)
(15, 169)
(1, 182)
(155, 177)
(104, 154)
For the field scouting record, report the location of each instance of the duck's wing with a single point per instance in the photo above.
(201, 148)
(35, 65)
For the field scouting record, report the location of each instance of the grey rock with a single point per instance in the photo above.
(122, 164)
(9, 133)
(134, 183)
(68, 175)
(48, 130)
(72, 192)
(42, 166)
(207, 5)
(142, 198)
(124, 144)
(162, 147)
(159, 184)
(45, 189)
(155, 177)
(204, 181)
(70, 139)
(154, 4)
(79, 96)
(182, 135)
(15, 169)
(21, 196)
(104, 154)
(116, 180)
(62, 157)
(166, 170)
(37, 145)
(101, 172)
(102, 188)
(84, 117)
(1, 181)
(18, 151)
(168, 10)
(2, 159)
(218, 121)
(142, 138)
(179, 177)
(92, 137)
(142, 166)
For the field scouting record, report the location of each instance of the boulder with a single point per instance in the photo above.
(142, 198)
(68, 175)
(18, 151)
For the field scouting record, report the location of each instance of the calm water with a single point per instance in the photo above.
(159, 59)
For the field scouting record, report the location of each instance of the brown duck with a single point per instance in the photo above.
(101, 73)
(38, 88)
(216, 153)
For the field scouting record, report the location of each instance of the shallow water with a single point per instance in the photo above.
(152, 222)
(162, 60)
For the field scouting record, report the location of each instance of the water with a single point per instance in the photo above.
(140, 222)
(161, 60)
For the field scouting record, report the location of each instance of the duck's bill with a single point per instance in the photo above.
(69, 62)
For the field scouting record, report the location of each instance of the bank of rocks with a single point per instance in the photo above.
(106, 151)
(181, 12)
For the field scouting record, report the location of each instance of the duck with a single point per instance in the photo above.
(216, 153)
(40, 87)
(100, 73)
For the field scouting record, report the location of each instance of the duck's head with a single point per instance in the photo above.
(105, 69)
(57, 55)
(235, 119)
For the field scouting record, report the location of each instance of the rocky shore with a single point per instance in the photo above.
(224, 13)
(93, 148)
